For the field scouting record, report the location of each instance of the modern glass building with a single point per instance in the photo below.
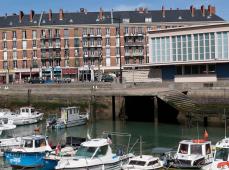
(191, 54)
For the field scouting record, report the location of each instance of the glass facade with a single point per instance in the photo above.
(190, 47)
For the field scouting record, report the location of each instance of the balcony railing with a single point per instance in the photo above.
(131, 43)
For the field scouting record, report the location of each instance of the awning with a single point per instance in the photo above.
(69, 71)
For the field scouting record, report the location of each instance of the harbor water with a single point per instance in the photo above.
(160, 135)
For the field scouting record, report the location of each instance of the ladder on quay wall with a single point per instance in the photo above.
(180, 101)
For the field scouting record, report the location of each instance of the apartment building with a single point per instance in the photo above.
(82, 45)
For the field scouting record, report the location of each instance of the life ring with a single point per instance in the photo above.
(223, 164)
(198, 140)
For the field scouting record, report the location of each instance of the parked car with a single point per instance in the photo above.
(107, 78)
(36, 81)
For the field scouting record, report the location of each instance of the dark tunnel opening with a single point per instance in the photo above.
(141, 108)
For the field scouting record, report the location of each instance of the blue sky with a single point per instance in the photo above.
(13, 6)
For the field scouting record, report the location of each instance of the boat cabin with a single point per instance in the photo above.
(144, 162)
(35, 143)
(194, 147)
(70, 113)
(25, 111)
(222, 150)
(94, 148)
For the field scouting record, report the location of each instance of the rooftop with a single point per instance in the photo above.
(141, 15)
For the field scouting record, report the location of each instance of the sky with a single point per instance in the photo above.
(14, 6)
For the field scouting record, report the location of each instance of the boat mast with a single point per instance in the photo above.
(140, 146)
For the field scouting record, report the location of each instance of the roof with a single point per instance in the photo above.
(194, 141)
(76, 18)
(95, 142)
(34, 137)
(224, 143)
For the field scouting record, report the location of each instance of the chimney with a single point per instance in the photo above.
(202, 10)
(21, 14)
(211, 10)
(100, 14)
(31, 15)
(82, 10)
(146, 10)
(50, 15)
(163, 11)
(61, 14)
(141, 10)
(192, 10)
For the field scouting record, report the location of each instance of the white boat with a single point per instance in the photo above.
(94, 154)
(26, 115)
(143, 162)
(70, 116)
(221, 158)
(7, 143)
(192, 154)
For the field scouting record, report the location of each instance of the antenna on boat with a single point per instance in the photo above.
(225, 124)
(140, 146)
(198, 135)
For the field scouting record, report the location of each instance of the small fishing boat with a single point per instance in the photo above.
(70, 116)
(9, 142)
(143, 162)
(26, 115)
(94, 154)
(192, 154)
(30, 154)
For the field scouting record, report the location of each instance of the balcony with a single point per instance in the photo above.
(134, 34)
(138, 54)
(134, 44)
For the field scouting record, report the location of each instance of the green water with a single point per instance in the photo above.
(162, 135)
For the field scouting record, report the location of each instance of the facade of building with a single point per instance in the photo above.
(191, 54)
(83, 45)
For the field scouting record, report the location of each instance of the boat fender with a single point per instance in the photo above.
(223, 165)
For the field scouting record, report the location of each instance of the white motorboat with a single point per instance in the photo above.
(143, 162)
(26, 115)
(7, 143)
(70, 116)
(221, 158)
(192, 154)
(94, 154)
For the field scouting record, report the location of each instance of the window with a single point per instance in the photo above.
(76, 42)
(211, 68)
(107, 51)
(66, 43)
(24, 35)
(57, 43)
(101, 151)
(28, 143)
(98, 31)
(107, 41)
(50, 44)
(4, 44)
(4, 36)
(57, 33)
(179, 70)
(84, 31)
(24, 45)
(14, 44)
(43, 33)
(127, 61)
(151, 163)
(107, 31)
(91, 31)
(14, 34)
(50, 33)
(117, 51)
(15, 63)
(5, 64)
(126, 30)
(85, 152)
(34, 34)
(99, 42)
(66, 33)
(183, 148)
(34, 53)
(76, 32)
(135, 162)
(24, 53)
(5, 57)
(148, 20)
(187, 70)
(14, 55)
(125, 20)
(40, 143)
(196, 50)
(196, 149)
(212, 41)
(92, 42)
(35, 43)
(222, 153)
(208, 149)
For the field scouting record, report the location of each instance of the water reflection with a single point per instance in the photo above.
(163, 135)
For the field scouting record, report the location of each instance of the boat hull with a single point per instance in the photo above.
(50, 164)
(22, 159)
(27, 121)
(78, 122)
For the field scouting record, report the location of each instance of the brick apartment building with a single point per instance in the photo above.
(82, 45)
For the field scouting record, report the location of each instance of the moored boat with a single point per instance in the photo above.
(30, 154)
(70, 116)
(94, 154)
(26, 115)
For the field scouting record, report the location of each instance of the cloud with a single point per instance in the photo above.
(130, 7)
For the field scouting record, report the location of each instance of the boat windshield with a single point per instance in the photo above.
(85, 152)
(183, 148)
(196, 149)
(28, 143)
(222, 154)
(135, 162)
